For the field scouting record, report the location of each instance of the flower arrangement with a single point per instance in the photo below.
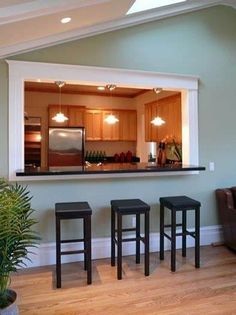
(174, 148)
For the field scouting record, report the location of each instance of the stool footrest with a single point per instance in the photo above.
(131, 239)
(186, 233)
(167, 236)
(169, 225)
(181, 234)
(73, 241)
(72, 252)
(127, 230)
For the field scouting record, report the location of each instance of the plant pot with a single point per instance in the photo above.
(12, 308)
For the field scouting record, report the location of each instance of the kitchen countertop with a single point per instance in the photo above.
(108, 168)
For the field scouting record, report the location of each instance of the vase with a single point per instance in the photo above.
(11, 309)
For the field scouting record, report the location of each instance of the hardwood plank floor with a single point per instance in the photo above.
(208, 290)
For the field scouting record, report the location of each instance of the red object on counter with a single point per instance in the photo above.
(122, 157)
(116, 158)
(129, 156)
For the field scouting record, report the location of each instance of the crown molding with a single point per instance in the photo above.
(127, 21)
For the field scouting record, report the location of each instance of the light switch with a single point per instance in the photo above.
(211, 166)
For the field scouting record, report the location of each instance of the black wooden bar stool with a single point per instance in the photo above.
(183, 204)
(129, 207)
(74, 210)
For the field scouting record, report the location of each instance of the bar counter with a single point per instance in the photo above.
(108, 168)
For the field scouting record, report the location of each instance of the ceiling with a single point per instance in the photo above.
(30, 24)
(51, 87)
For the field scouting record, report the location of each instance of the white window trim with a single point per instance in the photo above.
(19, 71)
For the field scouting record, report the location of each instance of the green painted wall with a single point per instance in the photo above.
(201, 43)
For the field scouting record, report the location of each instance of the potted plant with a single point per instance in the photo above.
(16, 237)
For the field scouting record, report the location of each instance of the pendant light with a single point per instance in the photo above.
(157, 121)
(60, 117)
(111, 119)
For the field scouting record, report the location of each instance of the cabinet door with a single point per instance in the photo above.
(151, 131)
(93, 125)
(169, 109)
(128, 125)
(76, 116)
(52, 111)
(110, 131)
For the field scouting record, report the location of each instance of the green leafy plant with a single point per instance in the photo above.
(16, 234)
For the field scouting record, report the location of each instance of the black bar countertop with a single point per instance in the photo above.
(107, 168)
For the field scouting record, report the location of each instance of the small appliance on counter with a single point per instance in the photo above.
(66, 146)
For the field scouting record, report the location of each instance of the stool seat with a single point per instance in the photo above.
(179, 202)
(129, 206)
(72, 209)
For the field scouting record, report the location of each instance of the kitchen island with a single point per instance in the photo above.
(109, 168)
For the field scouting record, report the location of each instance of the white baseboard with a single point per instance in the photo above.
(45, 254)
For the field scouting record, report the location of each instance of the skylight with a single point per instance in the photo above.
(143, 5)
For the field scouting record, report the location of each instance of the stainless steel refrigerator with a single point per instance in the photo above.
(66, 146)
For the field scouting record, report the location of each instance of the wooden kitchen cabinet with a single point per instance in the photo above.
(110, 131)
(93, 120)
(74, 113)
(169, 109)
(76, 116)
(52, 111)
(93, 124)
(128, 125)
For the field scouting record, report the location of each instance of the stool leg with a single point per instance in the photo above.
(119, 246)
(88, 248)
(85, 246)
(137, 238)
(146, 243)
(173, 239)
(113, 227)
(161, 232)
(58, 252)
(197, 237)
(184, 223)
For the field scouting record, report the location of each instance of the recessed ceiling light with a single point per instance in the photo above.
(101, 88)
(65, 20)
(140, 5)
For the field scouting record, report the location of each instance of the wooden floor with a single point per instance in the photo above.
(208, 290)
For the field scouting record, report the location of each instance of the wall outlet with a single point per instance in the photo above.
(211, 166)
(133, 221)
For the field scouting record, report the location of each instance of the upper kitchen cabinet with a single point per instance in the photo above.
(128, 125)
(52, 111)
(93, 124)
(110, 131)
(169, 109)
(75, 115)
